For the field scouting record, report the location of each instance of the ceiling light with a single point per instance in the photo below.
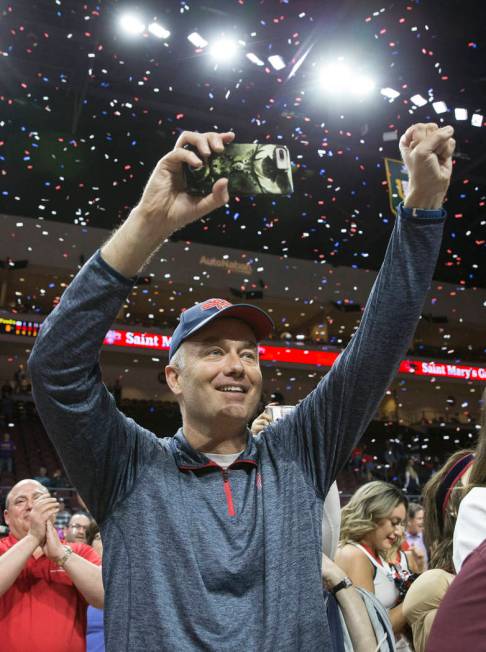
(224, 49)
(440, 107)
(132, 24)
(197, 40)
(254, 59)
(418, 100)
(461, 114)
(391, 93)
(276, 61)
(477, 120)
(335, 77)
(362, 85)
(157, 30)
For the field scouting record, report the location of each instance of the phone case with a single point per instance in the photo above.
(251, 169)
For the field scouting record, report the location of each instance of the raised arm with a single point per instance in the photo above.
(101, 449)
(325, 427)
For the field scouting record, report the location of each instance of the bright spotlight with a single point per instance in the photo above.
(362, 85)
(157, 30)
(418, 100)
(132, 24)
(223, 50)
(477, 120)
(254, 59)
(391, 93)
(276, 61)
(440, 107)
(336, 78)
(461, 114)
(197, 40)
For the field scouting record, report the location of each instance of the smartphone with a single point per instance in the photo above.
(278, 411)
(250, 169)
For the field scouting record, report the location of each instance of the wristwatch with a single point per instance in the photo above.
(345, 583)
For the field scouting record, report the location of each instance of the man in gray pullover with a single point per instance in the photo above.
(227, 555)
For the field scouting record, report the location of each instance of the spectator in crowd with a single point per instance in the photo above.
(460, 623)
(470, 528)
(21, 384)
(43, 478)
(6, 404)
(95, 631)
(44, 585)
(448, 614)
(59, 480)
(261, 541)
(7, 450)
(77, 528)
(412, 480)
(63, 516)
(442, 496)
(372, 524)
(118, 391)
(414, 534)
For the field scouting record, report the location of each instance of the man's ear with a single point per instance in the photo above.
(173, 377)
(5, 516)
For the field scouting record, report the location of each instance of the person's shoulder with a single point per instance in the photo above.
(85, 551)
(349, 553)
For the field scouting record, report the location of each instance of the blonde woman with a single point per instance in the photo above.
(372, 524)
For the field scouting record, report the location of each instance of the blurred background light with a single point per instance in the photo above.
(460, 114)
(418, 100)
(440, 107)
(132, 24)
(391, 93)
(254, 59)
(158, 30)
(224, 50)
(197, 40)
(276, 62)
(477, 120)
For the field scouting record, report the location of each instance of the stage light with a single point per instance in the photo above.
(224, 50)
(132, 24)
(197, 40)
(418, 100)
(157, 30)
(254, 59)
(362, 85)
(335, 77)
(440, 107)
(477, 120)
(460, 114)
(276, 62)
(391, 93)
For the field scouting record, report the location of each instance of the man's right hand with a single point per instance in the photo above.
(165, 206)
(44, 508)
(165, 200)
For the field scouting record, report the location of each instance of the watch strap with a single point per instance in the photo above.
(345, 583)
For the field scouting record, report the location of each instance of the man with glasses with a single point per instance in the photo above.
(75, 532)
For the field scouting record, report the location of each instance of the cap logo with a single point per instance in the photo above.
(215, 303)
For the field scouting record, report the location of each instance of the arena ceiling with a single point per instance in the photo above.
(86, 111)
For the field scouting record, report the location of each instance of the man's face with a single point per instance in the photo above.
(221, 376)
(21, 499)
(76, 530)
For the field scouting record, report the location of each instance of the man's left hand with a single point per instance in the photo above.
(53, 548)
(427, 152)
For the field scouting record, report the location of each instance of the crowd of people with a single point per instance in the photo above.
(243, 543)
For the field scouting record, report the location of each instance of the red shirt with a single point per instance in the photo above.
(43, 610)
